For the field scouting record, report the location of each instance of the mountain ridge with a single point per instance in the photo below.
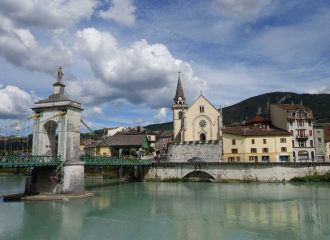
(257, 105)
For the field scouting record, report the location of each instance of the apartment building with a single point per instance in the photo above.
(298, 120)
(261, 143)
(320, 150)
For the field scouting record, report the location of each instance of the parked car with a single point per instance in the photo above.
(196, 159)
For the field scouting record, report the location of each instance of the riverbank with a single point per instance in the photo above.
(312, 178)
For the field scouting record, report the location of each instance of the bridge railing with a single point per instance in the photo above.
(29, 161)
(107, 161)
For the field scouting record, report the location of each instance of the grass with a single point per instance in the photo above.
(312, 178)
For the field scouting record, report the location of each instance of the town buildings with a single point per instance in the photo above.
(107, 132)
(326, 130)
(162, 139)
(260, 143)
(114, 145)
(319, 142)
(298, 120)
(199, 122)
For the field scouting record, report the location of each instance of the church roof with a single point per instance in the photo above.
(179, 91)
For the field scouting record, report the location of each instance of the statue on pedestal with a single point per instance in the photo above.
(60, 74)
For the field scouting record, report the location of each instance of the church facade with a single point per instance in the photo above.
(200, 122)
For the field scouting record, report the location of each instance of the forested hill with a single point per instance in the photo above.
(319, 103)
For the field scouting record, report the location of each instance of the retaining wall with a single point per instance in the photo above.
(264, 172)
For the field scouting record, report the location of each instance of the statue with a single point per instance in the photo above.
(60, 74)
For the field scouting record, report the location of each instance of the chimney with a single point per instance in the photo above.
(300, 102)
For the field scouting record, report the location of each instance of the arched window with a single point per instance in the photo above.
(180, 115)
(202, 137)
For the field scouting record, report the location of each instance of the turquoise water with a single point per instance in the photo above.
(159, 211)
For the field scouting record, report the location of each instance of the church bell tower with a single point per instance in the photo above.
(179, 108)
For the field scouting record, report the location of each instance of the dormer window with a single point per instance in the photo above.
(290, 114)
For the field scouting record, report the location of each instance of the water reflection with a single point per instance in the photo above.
(175, 211)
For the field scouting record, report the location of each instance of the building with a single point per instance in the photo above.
(256, 144)
(83, 144)
(257, 120)
(162, 139)
(145, 132)
(298, 120)
(326, 131)
(107, 132)
(320, 150)
(199, 122)
(117, 144)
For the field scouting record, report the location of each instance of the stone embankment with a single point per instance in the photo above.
(261, 172)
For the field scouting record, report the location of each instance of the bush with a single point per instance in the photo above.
(210, 141)
(313, 178)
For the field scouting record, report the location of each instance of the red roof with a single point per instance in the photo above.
(255, 119)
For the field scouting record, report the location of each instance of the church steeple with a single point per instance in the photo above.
(179, 96)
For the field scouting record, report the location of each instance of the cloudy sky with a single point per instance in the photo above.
(120, 58)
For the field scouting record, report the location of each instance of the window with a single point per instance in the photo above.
(283, 149)
(265, 141)
(251, 158)
(283, 140)
(149, 138)
(202, 123)
(180, 115)
(265, 158)
(290, 113)
(253, 150)
(311, 143)
(234, 142)
(104, 154)
(231, 159)
(285, 158)
(302, 144)
(291, 123)
(292, 143)
(252, 141)
(234, 151)
(309, 123)
(301, 123)
(319, 140)
(201, 109)
(310, 133)
(320, 149)
(291, 132)
(238, 159)
(318, 131)
(163, 145)
(265, 150)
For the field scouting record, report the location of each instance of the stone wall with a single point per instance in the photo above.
(181, 152)
(264, 172)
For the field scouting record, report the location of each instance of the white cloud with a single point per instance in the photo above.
(15, 103)
(47, 14)
(139, 121)
(160, 115)
(142, 74)
(19, 47)
(240, 9)
(121, 11)
(92, 112)
(320, 90)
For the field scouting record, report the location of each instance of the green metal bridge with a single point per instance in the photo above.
(46, 161)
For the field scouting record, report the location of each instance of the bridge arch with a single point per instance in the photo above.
(50, 128)
(199, 174)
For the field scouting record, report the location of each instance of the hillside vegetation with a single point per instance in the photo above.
(319, 103)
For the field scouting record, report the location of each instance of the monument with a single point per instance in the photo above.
(62, 114)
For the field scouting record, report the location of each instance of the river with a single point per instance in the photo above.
(156, 211)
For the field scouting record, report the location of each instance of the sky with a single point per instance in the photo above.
(121, 58)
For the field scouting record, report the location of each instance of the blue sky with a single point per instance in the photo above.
(121, 57)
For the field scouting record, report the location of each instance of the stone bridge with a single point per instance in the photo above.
(264, 172)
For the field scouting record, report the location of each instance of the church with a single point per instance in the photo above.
(200, 122)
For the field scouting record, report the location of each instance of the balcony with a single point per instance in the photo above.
(302, 137)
